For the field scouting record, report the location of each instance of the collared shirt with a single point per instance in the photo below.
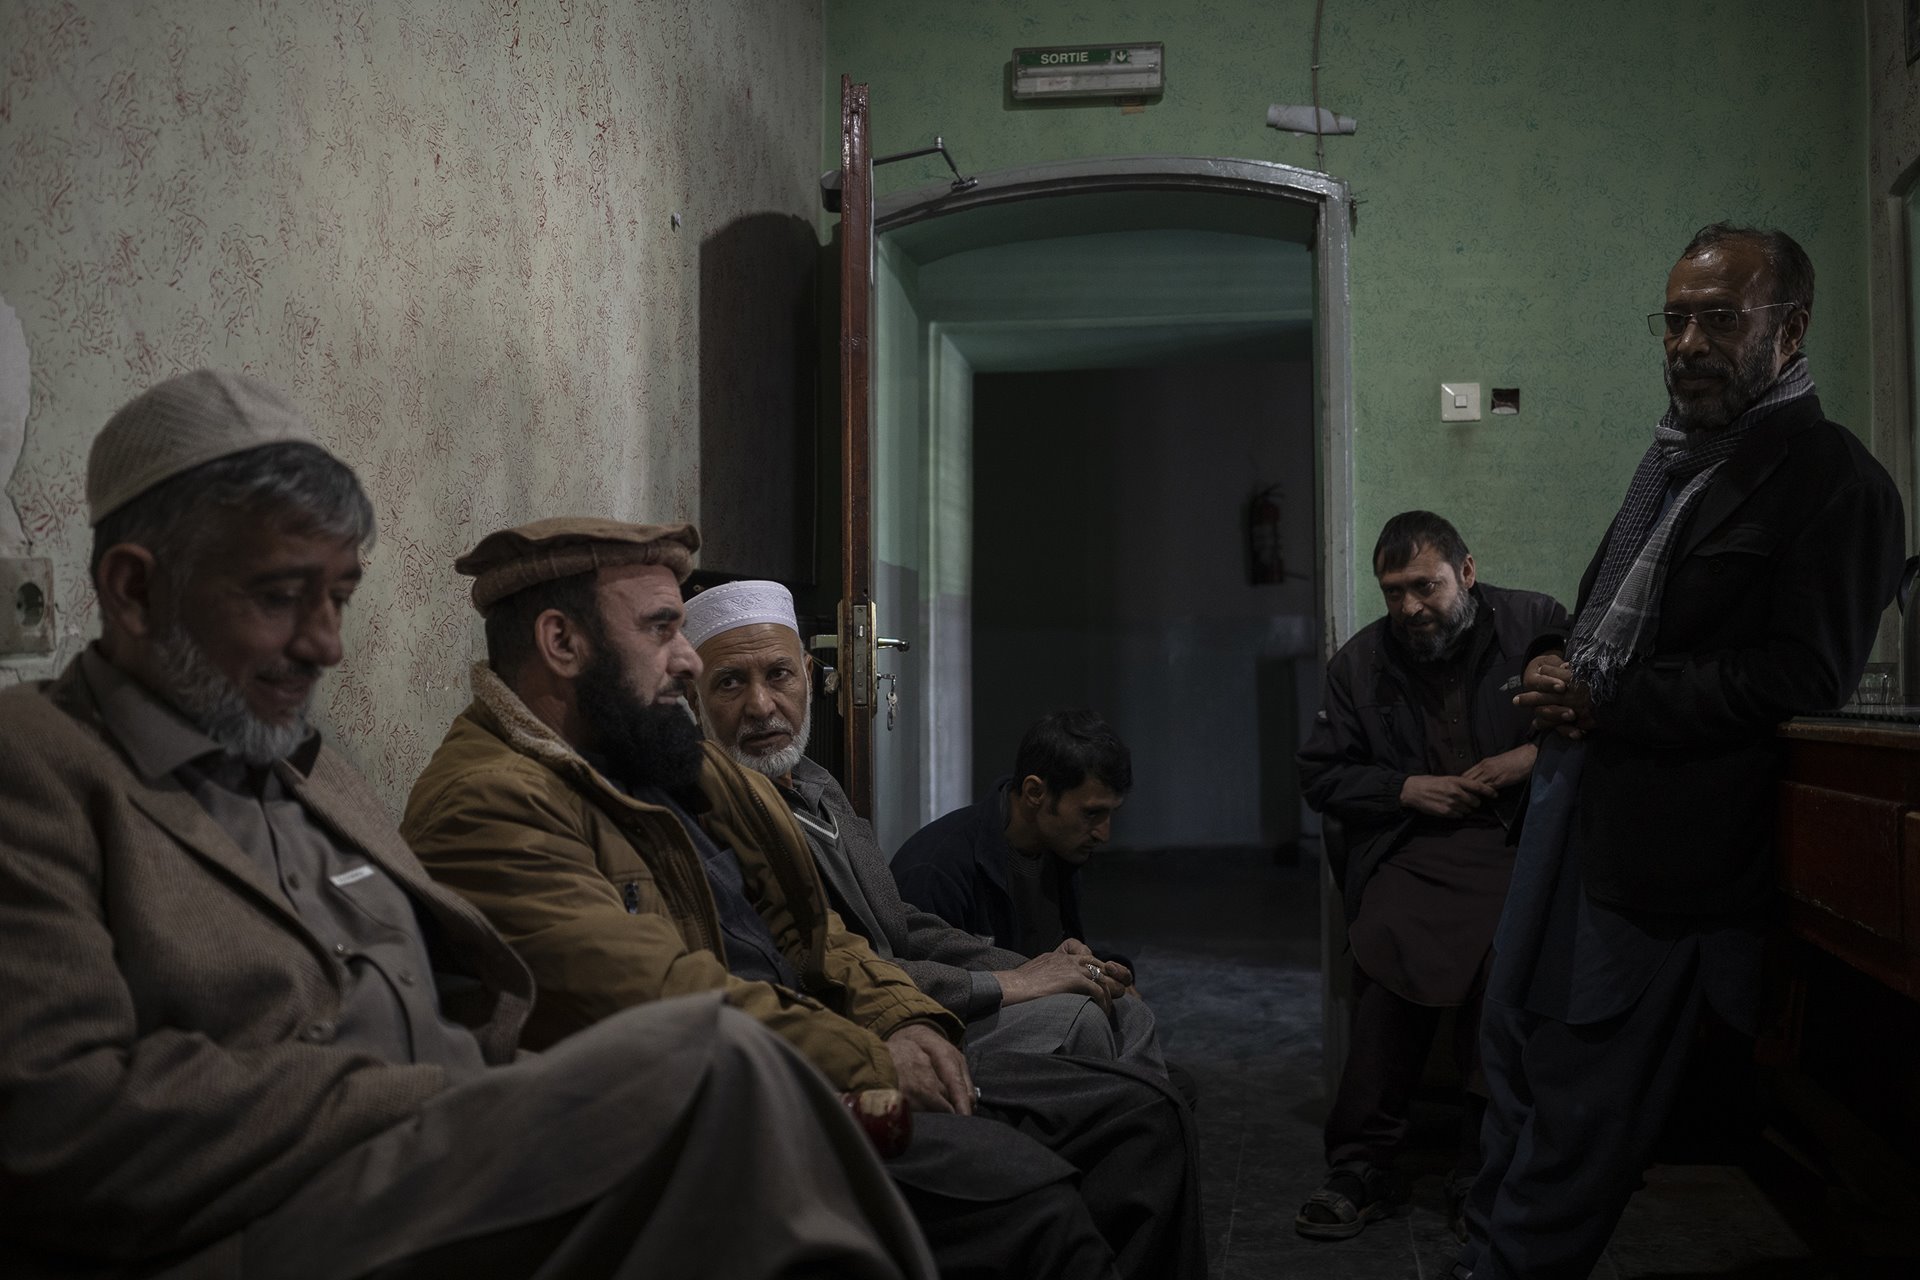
(388, 999)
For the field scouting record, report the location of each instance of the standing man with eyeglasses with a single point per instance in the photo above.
(1740, 584)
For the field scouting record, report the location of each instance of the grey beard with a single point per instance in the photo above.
(1749, 374)
(777, 764)
(1445, 639)
(203, 693)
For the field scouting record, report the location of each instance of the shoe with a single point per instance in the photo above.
(1354, 1194)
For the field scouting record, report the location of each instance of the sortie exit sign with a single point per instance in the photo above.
(1090, 71)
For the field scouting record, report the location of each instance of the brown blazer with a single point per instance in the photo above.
(166, 1074)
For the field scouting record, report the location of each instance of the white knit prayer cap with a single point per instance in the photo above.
(738, 604)
(179, 424)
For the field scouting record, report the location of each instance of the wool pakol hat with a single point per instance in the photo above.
(733, 605)
(529, 554)
(177, 425)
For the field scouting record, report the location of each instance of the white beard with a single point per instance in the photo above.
(775, 764)
(204, 694)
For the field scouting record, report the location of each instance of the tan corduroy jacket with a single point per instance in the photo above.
(605, 899)
(167, 1071)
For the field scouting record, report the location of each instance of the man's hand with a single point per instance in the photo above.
(1114, 977)
(1505, 769)
(1444, 796)
(1053, 973)
(1557, 700)
(931, 1071)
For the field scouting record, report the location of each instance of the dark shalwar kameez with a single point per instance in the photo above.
(1420, 944)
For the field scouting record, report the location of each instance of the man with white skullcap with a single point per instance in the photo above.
(576, 805)
(1030, 1022)
(242, 1033)
(754, 702)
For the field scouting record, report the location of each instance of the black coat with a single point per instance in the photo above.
(956, 868)
(1779, 579)
(1370, 735)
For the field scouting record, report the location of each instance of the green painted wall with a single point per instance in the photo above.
(1527, 172)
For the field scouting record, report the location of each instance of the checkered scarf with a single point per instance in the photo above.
(1622, 616)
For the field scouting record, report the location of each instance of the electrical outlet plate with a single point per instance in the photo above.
(26, 605)
(1459, 402)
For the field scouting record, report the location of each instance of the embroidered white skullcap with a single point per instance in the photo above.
(179, 424)
(738, 604)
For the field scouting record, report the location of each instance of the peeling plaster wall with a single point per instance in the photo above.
(444, 226)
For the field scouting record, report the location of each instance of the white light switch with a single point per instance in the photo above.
(1459, 402)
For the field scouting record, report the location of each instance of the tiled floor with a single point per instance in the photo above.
(1226, 949)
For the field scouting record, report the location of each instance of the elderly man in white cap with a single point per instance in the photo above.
(241, 1032)
(1026, 1018)
(754, 702)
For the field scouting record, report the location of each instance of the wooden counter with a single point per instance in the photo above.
(1849, 848)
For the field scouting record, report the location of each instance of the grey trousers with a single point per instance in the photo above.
(673, 1139)
(1073, 1025)
(1130, 1138)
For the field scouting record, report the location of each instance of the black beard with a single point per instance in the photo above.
(1748, 375)
(644, 743)
(1440, 644)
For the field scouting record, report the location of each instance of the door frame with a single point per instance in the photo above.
(1332, 207)
(1332, 331)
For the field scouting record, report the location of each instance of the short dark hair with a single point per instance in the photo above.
(294, 486)
(510, 619)
(1062, 747)
(1404, 535)
(1787, 262)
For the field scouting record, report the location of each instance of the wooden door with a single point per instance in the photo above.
(856, 613)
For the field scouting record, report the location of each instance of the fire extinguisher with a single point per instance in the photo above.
(1268, 562)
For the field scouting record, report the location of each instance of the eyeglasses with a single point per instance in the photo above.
(1720, 323)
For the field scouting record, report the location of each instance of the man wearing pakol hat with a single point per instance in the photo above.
(1024, 1017)
(242, 1033)
(575, 804)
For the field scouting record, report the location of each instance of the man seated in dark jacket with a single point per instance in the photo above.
(1419, 755)
(1006, 868)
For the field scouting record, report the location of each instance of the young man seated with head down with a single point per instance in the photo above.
(575, 803)
(1008, 867)
(1024, 1016)
(242, 1033)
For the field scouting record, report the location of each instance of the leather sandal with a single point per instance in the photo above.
(1354, 1194)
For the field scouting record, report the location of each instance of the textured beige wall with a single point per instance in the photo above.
(444, 225)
